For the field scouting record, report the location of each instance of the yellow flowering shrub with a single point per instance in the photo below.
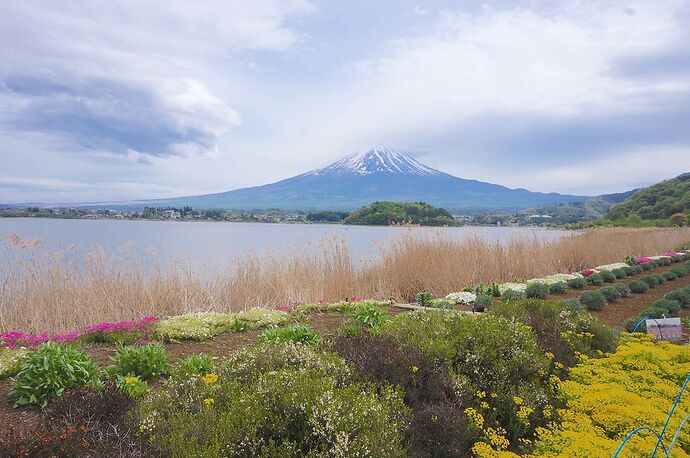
(609, 397)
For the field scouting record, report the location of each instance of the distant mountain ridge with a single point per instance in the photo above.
(381, 173)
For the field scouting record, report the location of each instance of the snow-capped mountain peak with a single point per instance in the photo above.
(379, 159)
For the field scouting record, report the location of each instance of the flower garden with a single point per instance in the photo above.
(533, 367)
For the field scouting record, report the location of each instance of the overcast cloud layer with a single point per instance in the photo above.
(124, 99)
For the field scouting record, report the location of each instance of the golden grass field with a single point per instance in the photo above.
(41, 292)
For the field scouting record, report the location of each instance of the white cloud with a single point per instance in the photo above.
(128, 75)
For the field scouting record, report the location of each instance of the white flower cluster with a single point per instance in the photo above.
(518, 287)
(613, 266)
(462, 297)
(552, 279)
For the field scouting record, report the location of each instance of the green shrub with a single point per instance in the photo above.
(296, 333)
(660, 278)
(679, 271)
(424, 298)
(276, 400)
(676, 258)
(442, 303)
(638, 269)
(258, 318)
(511, 295)
(132, 385)
(623, 289)
(650, 280)
(439, 425)
(558, 288)
(592, 300)
(369, 315)
(647, 266)
(630, 271)
(669, 276)
(571, 304)
(595, 279)
(563, 328)
(497, 356)
(49, 370)
(350, 329)
(10, 361)
(654, 312)
(482, 302)
(670, 305)
(195, 326)
(631, 322)
(144, 361)
(619, 273)
(430, 331)
(638, 287)
(610, 293)
(537, 291)
(679, 295)
(193, 365)
(608, 276)
(488, 354)
(239, 325)
(577, 283)
(665, 261)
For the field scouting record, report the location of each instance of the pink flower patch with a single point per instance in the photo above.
(643, 260)
(588, 272)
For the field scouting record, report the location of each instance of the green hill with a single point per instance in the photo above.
(658, 202)
(384, 213)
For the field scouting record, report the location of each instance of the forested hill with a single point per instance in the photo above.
(660, 201)
(385, 213)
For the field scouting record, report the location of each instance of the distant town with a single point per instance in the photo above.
(254, 216)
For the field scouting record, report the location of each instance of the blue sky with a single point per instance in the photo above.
(113, 100)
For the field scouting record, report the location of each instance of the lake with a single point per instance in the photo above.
(206, 245)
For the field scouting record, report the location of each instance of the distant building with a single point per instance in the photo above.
(171, 214)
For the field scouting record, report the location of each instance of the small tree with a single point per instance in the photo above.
(679, 219)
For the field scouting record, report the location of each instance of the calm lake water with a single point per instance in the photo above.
(215, 245)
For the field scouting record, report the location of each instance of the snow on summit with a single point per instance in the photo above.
(379, 159)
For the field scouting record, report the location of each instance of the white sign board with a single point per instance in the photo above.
(665, 329)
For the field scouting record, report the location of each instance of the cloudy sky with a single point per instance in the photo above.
(121, 99)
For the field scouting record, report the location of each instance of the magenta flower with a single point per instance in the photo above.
(644, 260)
(13, 339)
(588, 272)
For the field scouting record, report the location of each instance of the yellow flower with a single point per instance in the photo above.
(481, 394)
(414, 369)
(130, 380)
(475, 417)
(517, 400)
(210, 378)
(524, 413)
(484, 405)
(209, 401)
(549, 355)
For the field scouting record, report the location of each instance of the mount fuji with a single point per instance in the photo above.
(380, 173)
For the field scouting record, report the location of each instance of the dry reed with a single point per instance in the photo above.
(40, 292)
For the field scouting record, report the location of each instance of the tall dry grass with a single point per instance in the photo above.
(43, 292)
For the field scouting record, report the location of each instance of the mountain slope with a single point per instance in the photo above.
(659, 201)
(378, 174)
